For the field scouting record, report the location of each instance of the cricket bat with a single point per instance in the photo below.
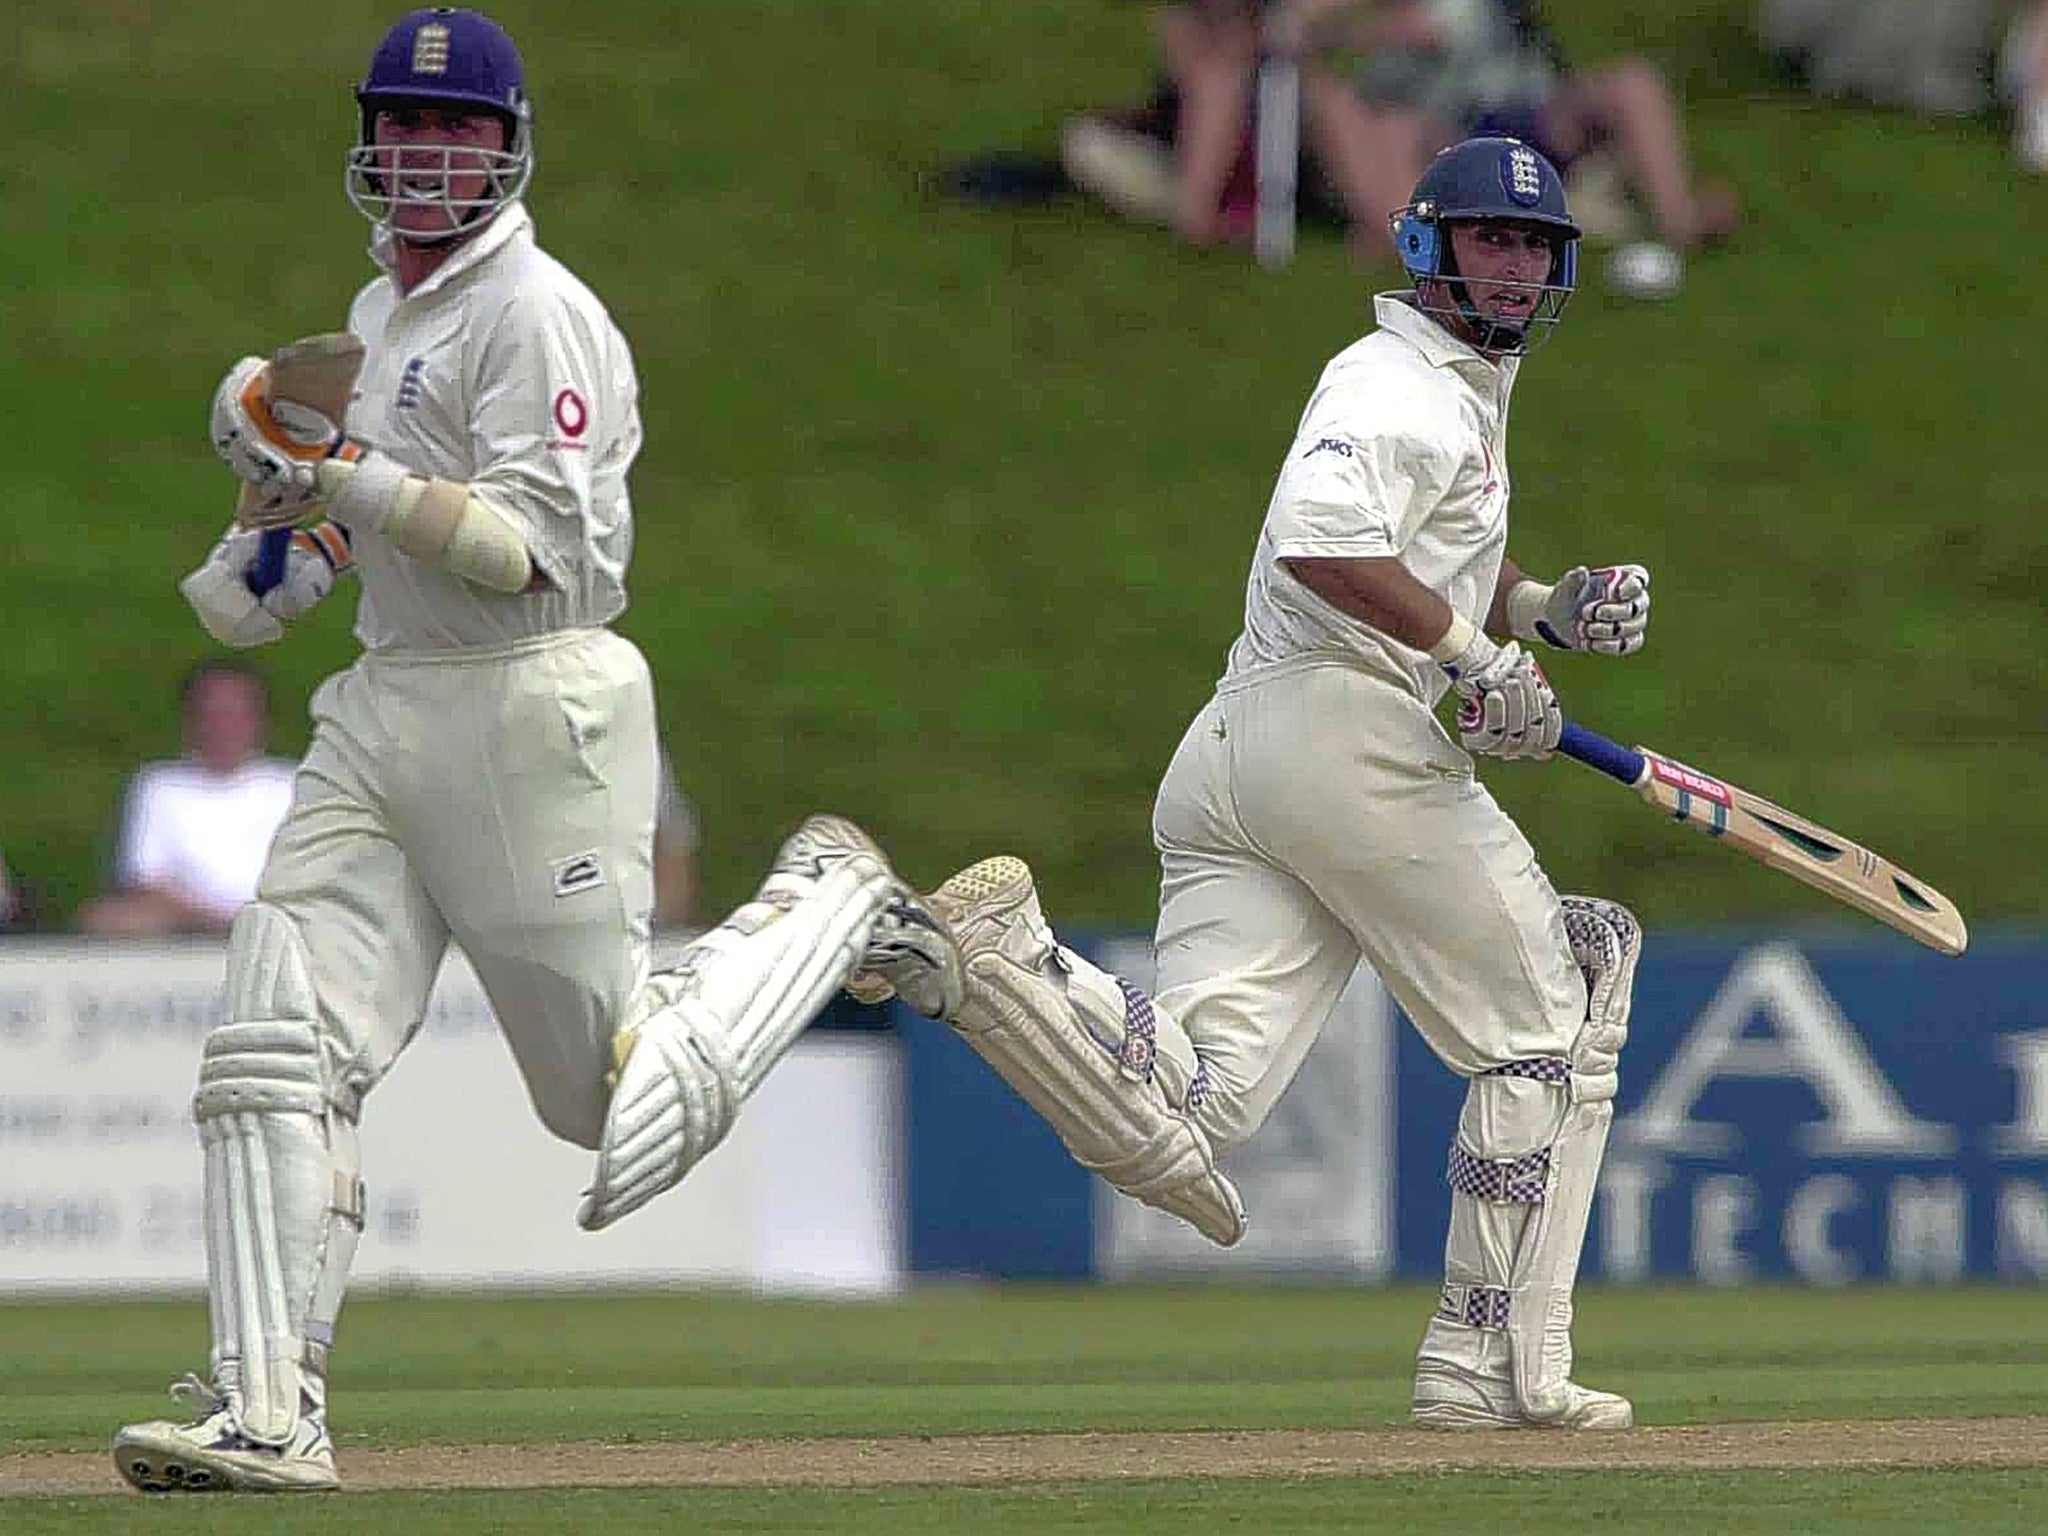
(1276, 146)
(318, 372)
(1807, 852)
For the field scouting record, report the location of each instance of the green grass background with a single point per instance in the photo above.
(945, 512)
(948, 1361)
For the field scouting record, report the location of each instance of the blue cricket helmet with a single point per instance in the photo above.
(452, 58)
(1488, 178)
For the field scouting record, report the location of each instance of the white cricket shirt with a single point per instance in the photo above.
(202, 834)
(1402, 451)
(504, 372)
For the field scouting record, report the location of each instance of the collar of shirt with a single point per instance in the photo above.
(507, 225)
(1439, 348)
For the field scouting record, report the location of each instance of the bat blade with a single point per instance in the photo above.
(1276, 149)
(317, 371)
(1782, 839)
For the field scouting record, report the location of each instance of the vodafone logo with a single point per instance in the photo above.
(572, 419)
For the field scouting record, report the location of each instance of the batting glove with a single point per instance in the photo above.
(1506, 707)
(1605, 610)
(314, 560)
(272, 446)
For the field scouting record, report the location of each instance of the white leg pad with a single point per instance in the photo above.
(703, 1035)
(282, 1196)
(1111, 1073)
(1524, 1171)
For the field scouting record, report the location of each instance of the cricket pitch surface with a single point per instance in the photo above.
(997, 1459)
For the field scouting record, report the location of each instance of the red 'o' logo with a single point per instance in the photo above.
(571, 414)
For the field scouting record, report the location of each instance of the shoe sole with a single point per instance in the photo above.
(155, 1467)
(997, 884)
(1461, 1416)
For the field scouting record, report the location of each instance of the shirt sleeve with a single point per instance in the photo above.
(1350, 495)
(555, 396)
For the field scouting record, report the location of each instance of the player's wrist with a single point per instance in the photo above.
(361, 492)
(1526, 605)
(1463, 648)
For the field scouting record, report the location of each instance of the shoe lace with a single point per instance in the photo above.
(197, 1397)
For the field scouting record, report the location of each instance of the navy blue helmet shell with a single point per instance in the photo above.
(1485, 178)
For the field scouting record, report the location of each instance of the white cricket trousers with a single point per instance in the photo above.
(1318, 814)
(503, 798)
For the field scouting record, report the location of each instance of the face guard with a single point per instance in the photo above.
(384, 179)
(1480, 180)
(459, 62)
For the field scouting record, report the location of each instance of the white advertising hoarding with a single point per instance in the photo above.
(100, 1165)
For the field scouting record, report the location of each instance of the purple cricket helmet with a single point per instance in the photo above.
(454, 59)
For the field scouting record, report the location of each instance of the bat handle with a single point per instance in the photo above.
(1596, 751)
(267, 570)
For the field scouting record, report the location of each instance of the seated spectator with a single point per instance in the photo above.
(1186, 159)
(1941, 57)
(1439, 70)
(677, 835)
(193, 831)
(11, 904)
(1924, 55)
(2023, 83)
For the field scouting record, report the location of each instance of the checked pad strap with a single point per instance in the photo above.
(1475, 1306)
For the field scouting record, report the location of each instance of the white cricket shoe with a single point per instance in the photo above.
(984, 901)
(809, 853)
(920, 942)
(1448, 1397)
(910, 954)
(210, 1453)
(1131, 173)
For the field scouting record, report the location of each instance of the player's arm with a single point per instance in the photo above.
(298, 460)
(1379, 591)
(1605, 610)
(1507, 708)
(442, 521)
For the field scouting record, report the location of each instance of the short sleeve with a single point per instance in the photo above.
(1347, 495)
(142, 853)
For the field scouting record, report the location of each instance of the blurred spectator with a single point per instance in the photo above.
(1924, 55)
(1386, 84)
(193, 831)
(2023, 83)
(1460, 67)
(11, 904)
(677, 836)
(1183, 159)
(1944, 57)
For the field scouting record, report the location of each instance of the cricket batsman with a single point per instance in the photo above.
(485, 773)
(1317, 813)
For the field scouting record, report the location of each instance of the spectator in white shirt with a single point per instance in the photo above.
(194, 830)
